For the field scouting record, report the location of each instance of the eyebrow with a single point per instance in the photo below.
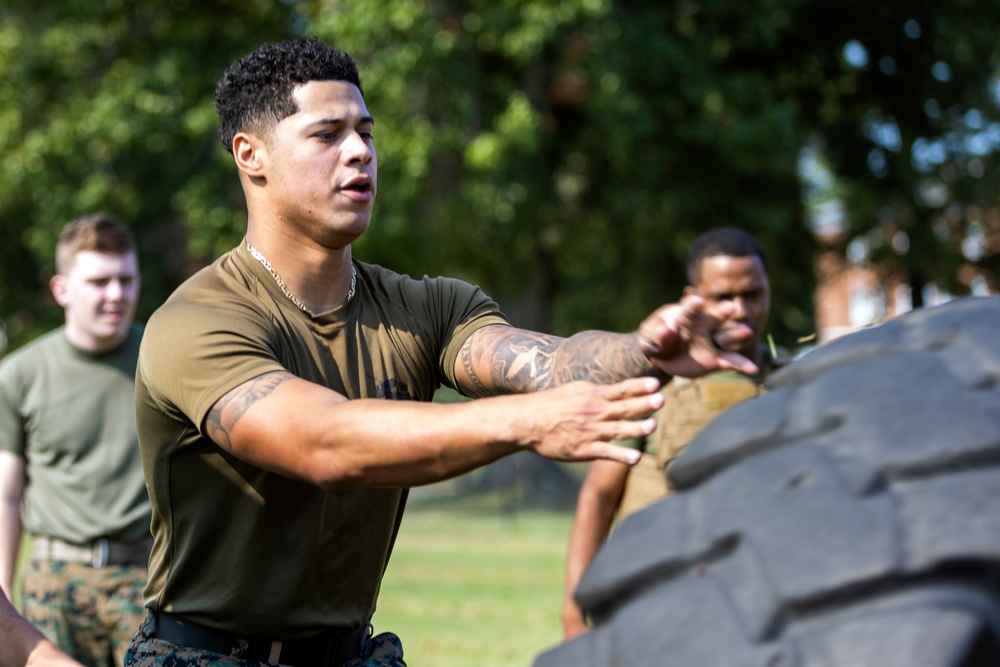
(341, 121)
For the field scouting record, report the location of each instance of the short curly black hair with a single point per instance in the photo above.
(724, 241)
(255, 92)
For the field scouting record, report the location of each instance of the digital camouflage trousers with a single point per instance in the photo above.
(383, 650)
(90, 613)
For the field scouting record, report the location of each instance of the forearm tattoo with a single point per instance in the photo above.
(523, 361)
(227, 410)
(601, 357)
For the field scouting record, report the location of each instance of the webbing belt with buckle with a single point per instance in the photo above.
(327, 649)
(99, 553)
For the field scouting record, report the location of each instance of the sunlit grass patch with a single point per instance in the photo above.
(470, 584)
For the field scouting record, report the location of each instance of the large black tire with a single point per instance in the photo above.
(850, 517)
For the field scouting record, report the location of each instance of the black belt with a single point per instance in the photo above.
(326, 649)
(99, 553)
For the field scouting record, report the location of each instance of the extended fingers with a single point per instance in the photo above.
(610, 412)
(668, 330)
(632, 387)
(622, 417)
(732, 337)
(660, 333)
(627, 399)
(612, 452)
(736, 362)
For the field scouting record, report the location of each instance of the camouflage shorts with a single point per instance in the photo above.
(383, 650)
(90, 613)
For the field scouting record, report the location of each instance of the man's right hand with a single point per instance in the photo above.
(578, 421)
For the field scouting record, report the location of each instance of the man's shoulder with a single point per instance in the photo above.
(385, 279)
(39, 348)
(441, 298)
(210, 287)
(224, 274)
(29, 364)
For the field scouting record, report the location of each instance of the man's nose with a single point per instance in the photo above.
(115, 290)
(356, 148)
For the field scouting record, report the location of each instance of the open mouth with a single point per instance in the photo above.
(359, 186)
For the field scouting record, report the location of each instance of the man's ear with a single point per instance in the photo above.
(57, 284)
(689, 290)
(250, 154)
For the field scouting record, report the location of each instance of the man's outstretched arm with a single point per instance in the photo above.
(677, 339)
(299, 429)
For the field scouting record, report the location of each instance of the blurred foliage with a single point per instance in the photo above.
(902, 96)
(568, 150)
(561, 153)
(107, 105)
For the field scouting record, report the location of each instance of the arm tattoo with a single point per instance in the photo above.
(516, 360)
(227, 410)
(478, 389)
(523, 361)
(601, 357)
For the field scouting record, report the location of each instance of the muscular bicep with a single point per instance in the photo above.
(501, 359)
(269, 421)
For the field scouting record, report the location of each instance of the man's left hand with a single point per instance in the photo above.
(682, 339)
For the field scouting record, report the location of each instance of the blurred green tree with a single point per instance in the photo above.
(565, 153)
(902, 97)
(108, 106)
(561, 153)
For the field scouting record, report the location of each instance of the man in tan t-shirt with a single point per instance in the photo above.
(727, 268)
(283, 394)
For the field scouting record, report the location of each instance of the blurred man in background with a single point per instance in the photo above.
(727, 268)
(70, 470)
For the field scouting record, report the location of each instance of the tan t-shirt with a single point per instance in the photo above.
(241, 549)
(688, 407)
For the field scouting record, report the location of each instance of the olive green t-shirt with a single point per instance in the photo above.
(71, 415)
(241, 549)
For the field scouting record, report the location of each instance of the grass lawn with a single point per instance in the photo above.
(471, 585)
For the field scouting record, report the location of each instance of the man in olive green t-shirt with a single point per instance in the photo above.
(70, 470)
(284, 393)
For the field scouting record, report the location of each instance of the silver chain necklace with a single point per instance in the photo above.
(256, 254)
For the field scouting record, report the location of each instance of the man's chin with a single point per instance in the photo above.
(115, 334)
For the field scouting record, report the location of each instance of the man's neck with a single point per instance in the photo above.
(318, 277)
(93, 345)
